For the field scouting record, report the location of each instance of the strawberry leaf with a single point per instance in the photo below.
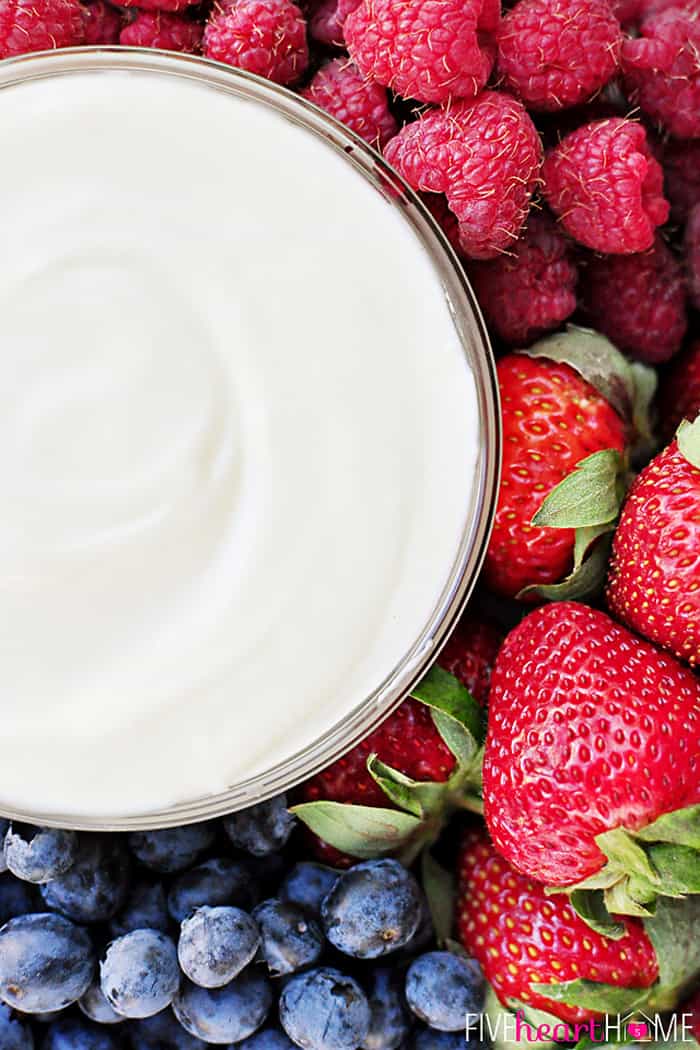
(590, 495)
(646, 381)
(688, 437)
(674, 932)
(594, 995)
(584, 581)
(590, 906)
(446, 695)
(678, 867)
(681, 827)
(361, 831)
(420, 799)
(626, 856)
(439, 887)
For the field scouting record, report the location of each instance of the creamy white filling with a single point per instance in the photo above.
(237, 441)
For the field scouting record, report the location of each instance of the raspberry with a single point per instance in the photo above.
(692, 255)
(159, 5)
(485, 156)
(165, 30)
(430, 50)
(534, 289)
(340, 89)
(39, 25)
(326, 24)
(558, 53)
(681, 161)
(606, 187)
(638, 301)
(102, 23)
(662, 69)
(437, 205)
(267, 37)
(679, 393)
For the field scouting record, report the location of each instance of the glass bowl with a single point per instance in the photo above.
(369, 710)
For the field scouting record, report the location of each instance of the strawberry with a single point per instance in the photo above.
(411, 744)
(654, 579)
(593, 739)
(566, 405)
(679, 393)
(690, 1010)
(523, 937)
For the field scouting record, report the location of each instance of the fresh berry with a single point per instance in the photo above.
(307, 884)
(654, 581)
(485, 156)
(470, 653)
(432, 52)
(95, 887)
(638, 301)
(46, 963)
(163, 1032)
(267, 37)
(163, 29)
(74, 1033)
(679, 392)
(437, 205)
(145, 908)
(681, 161)
(692, 256)
(228, 1014)
(443, 989)
(327, 21)
(216, 944)
(139, 974)
(425, 1038)
(531, 289)
(267, 1039)
(558, 53)
(581, 743)
(172, 6)
(522, 936)
(324, 1010)
(552, 420)
(606, 188)
(261, 829)
(217, 881)
(289, 939)
(14, 1034)
(389, 1024)
(102, 22)
(39, 854)
(661, 68)
(16, 898)
(340, 89)
(95, 1006)
(39, 25)
(372, 909)
(172, 849)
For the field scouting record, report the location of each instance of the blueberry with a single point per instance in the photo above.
(224, 1015)
(442, 988)
(218, 881)
(46, 962)
(389, 1022)
(162, 1032)
(324, 1010)
(14, 1035)
(4, 825)
(94, 1005)
(290, 939)
(374, 908)
(139, 974)
(172, 849)
(145, 908)
(268, 1039)
(73, 1033)
(95, 887)
(39, 854)
(261, 829)
(16, 898)
(307, 884)
(430, 1039)
(216, 944)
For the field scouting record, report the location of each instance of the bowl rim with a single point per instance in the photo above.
(366, 715)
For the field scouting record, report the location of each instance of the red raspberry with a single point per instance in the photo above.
(638, 301)
(159, 5)
(103, 23)
(39, 25)
(681, 161)
(485, 156)
(606, 187)
(326, 24)
(662, 69)
(534, 289)
(267, 37)
(437, 205)
(679, 392)
(170, 32)
(430, 50)
(342, 91)
(558, 53)
(692, 255)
